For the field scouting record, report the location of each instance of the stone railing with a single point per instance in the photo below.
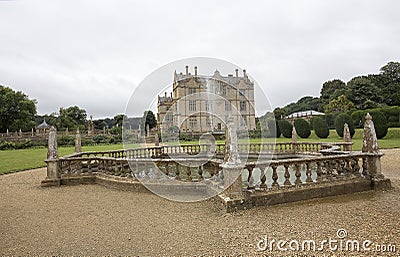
(116, 162)
(138, 168)
(277, 174)
(326, 167)
(219, 149)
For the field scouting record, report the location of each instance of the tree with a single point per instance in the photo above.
(72, 118)
(364, 93)
(320, 127)
(303, 128)
(286, 128)
(329, 87)
(390, 83)
(380, 123)
(340, 120)
(341, 104)
(150, 119)
(17, 111)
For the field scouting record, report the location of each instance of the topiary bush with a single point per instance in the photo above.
(380, 123)
(286, 128)
(340, 120)
(356, 117)
(303, 128)
(273, 128)
(320, 127)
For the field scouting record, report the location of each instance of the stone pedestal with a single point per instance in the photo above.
(53, 176)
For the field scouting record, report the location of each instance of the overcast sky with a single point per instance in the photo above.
(94, 53)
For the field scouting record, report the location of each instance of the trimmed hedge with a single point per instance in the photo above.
(320, 127)
(340, 120)
(380, 124)
(303, 128)
(286, 128)
(273, 128)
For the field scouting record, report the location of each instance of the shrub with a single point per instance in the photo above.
(286, 128)
(320, 127)
(340, 120)
(380, 124)
(356, 117)
(303, 128)
(65, 140)
(23, 144)
(273, 128)
(7, 145)
(100, 139)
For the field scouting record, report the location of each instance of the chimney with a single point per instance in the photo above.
(195, 71)
(237, 73)
(187, 70)
(244, 73)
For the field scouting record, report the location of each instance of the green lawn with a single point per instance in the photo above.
(16, 160)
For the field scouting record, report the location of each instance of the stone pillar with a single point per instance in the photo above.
(20, 132)
(294, 140)
(91, 126)
(53, 176)
(232, 166)
(373, 162)
(347, 137)
(7, 133)
(148, 130)
(78, 143)
(66, 131)
(156, 140)
(32, 134)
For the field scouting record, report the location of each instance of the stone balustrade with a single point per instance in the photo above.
(276, 174)
(291, 171)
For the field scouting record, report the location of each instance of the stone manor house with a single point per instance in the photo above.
(200, 104)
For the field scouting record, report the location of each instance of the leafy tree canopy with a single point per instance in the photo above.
(72, 118)
(17, 111)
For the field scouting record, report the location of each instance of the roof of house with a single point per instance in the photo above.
(43, 125)
(303, 114)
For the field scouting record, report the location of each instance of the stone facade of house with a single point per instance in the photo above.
(200, 104)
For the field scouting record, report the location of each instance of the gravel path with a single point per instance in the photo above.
(95, 220)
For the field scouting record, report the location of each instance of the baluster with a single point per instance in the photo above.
(355, 167)
(346, 168)
(250, 179)
(319, 173)
(308, 173)
(89, 164)
(167, 169)
(177, 177)
(329, 170)
(339, 169)
(274, 177)
(263, 177)
(117, 171)
(297, 174)
(287, 176)
(364, 167)
(189, 173)
(201, 172)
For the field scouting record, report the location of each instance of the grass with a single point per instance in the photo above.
(23, 159)
(16, 160)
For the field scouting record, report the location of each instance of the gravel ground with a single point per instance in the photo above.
(95, 220)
